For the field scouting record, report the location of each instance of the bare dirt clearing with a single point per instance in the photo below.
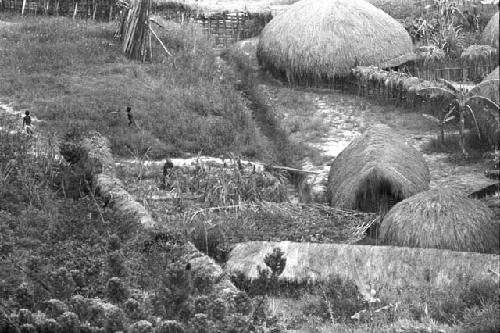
(340, 118)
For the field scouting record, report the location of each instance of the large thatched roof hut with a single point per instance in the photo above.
(441, 218)
(375, 171)
(490, 33)
(316, 40)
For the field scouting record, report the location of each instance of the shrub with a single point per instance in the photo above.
(481, 319)
(133, 309)
(142, 326)
(115, 320)
(25, 316)
(116, 290)
(69, 322)
(116, 264)
(170, 326)
(24, 296)
(201, 324)
(337, 299)
(27, 328)
(242, 303)
(480, 292)
(49, 326)
(218, 309)
(54, 308)
(201, 304)
(114, 243)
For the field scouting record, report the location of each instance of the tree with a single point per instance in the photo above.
(462, 102)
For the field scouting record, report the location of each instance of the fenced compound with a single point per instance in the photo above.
(226, 28)
(104, 10)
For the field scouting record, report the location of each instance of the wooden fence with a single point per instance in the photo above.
(105, 10)
(471, 73)
(225, 28)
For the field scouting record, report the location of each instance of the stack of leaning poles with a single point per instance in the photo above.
(135, 30)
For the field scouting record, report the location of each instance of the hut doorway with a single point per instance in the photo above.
(376, 197)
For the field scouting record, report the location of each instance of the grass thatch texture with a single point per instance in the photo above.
(490, 34)
(444, 219)
(376, 167)
(316, 40)
(366, 265)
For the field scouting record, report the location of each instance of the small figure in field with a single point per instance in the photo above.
(27, 122)
(130, 117)
(167, 168)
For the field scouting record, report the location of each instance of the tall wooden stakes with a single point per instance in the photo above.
(136, 39)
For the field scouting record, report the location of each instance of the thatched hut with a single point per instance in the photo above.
(490, 33)
(375, 171)
(315, 41)
(441, 218)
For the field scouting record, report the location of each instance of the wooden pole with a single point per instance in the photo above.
(23, 8)
(136, 40)
(75, 10)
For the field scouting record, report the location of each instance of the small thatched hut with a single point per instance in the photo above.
(314, 40)
(490, 33)
(375, 171)
(441, 218)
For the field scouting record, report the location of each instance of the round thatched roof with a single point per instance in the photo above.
(441, 218)
(317, 39)
(375, 167)
(490, 33)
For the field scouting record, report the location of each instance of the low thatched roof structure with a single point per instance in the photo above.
(375, 171)
(378, 266)
(441, 218)
(490, 34)
(316, 40)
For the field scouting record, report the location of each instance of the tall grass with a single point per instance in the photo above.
(72, 75)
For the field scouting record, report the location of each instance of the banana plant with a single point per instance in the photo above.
(441, 122)
(463, 102)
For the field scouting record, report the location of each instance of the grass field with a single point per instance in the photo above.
(72, 75)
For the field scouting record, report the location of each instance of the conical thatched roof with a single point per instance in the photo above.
(490, 33)
(441, 218)
(375, 171)
(317, 39)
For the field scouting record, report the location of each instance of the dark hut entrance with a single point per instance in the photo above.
(376, 196)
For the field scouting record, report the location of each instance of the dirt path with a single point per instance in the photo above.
(345, 117)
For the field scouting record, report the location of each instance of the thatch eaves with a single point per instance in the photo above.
(315, 40)
(441, 218)
(490, 34)
(379, 168)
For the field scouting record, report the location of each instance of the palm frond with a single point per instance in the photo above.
(483, 100)
(475, 121)
(434, 92)
(449, 85)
